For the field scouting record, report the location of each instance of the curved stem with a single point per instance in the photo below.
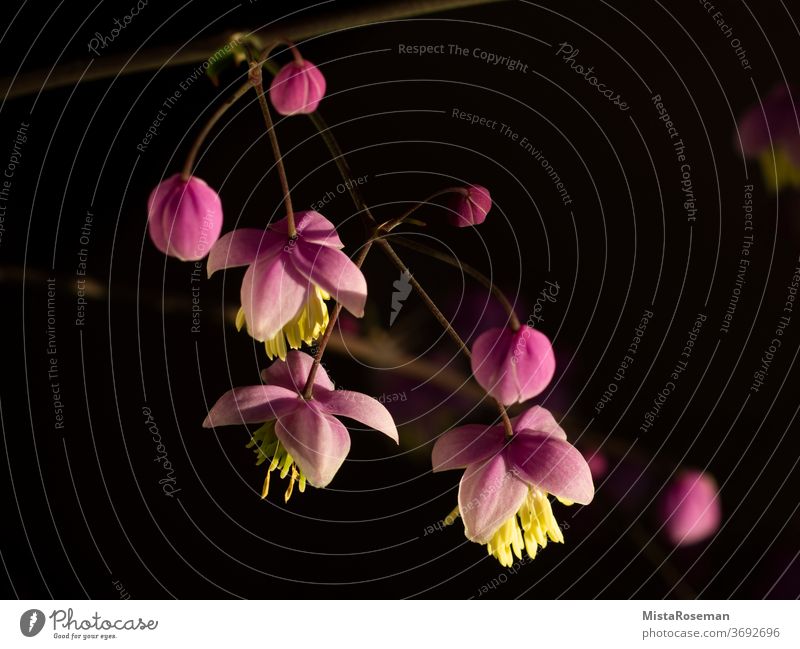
(341, 163)
(467, 269)
(308, 389)
(442, 319)
(257, 81)
(450, 190)
(305, 25)
(198, 142)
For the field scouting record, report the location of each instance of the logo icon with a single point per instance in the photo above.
(31, 622)
(402, 289)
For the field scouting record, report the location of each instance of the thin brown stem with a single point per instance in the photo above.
(308, 389)
(440, 317)
(469, 270)
(257, 81)
(341, 163)
(400, 219)
(202, 135)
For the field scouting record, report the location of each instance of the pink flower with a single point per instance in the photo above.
(510, 479)
(470, 207)
(690, 508)
(297, 88)
(513, 366)
(288, 280)
(300, 436)
(774, 125)
(184, 217)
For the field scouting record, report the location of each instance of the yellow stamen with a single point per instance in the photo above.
(451, 517)
(528, 528)
(779, 172)
(308, 324)
(265, 488)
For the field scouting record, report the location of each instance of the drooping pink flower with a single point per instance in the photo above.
(774, 126)
(690, 508)
(503, 495)
(288, 280)
(470, 207)
(184, 217)
(301, 436)
(513, 366)
(297, 88)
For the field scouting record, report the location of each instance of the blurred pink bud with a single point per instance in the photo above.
(513, 366)
(184, 217)
(470, 207)
(597, 461)
(690, 508)
(297, 88)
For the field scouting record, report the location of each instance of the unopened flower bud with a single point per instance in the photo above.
(470, 207)
(184, 217)
(297, 88)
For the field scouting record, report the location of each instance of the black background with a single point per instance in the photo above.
(83, 507)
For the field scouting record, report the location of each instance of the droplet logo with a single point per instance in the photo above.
(31, 622)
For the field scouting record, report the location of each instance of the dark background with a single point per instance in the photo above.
(82, 506)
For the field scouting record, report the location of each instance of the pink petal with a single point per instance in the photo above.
(360, 407)
(334, 272)
(540, 420)
(312, 227)
(532, 362)
(241, 247)
(318, 443)
(513, 366)
(553, 465)
(465, 445)
(491, 352)
(293, 373)
(250, 405)
(489, 494)
(272, 294)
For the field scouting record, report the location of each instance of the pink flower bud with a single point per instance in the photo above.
(297, 88)
(471, 207)
(690, 508)
(513, 366)
(597, 461)
(184, 217)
